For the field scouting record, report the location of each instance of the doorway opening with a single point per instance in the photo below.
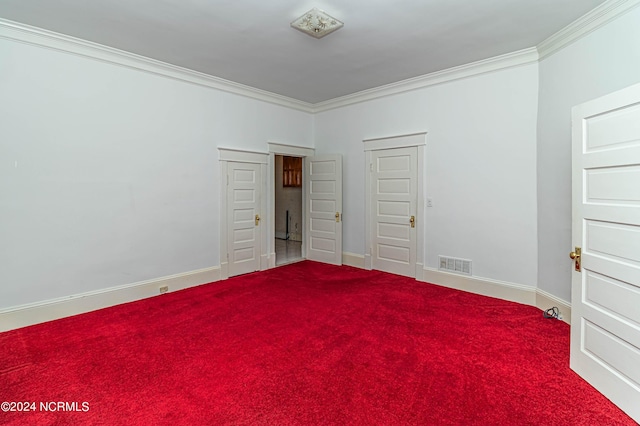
(288, 210)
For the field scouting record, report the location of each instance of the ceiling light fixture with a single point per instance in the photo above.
(316, 23)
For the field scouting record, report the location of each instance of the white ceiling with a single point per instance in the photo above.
(251, 41)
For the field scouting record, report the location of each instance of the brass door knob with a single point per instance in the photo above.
(257, 219)
(575, 255)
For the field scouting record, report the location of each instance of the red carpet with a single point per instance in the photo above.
(304, 344)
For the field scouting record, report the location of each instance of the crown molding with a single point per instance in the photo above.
(591, 21)
(48, 39)
(513, 59)
(598, 17)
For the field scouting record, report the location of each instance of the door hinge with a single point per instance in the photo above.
(227, 180)
(371, 167)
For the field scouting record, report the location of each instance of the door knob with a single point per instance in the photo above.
(412, 221)
(576, 256)
(257, 219)
(337, 216)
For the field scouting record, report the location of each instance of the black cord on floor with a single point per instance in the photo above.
(551, 313)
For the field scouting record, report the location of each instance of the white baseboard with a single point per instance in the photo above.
(484, 286)
(48, 310)
(546, 300)
(500, 289)
(352, 259)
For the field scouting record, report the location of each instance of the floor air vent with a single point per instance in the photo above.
(453, 264)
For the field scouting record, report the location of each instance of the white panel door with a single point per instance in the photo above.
(243, 217)
(605, 318)
(394, 181)
(323, 183)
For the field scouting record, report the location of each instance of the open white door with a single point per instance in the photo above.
(243, 217)
(605, 319)
(323, 218)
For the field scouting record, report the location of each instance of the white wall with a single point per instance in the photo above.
(602, 62)
(109, 175)
(480, 167)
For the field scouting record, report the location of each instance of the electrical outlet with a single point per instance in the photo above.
(164, 289)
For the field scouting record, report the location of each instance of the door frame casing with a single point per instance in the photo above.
(292, 151)
(418, 140)
(227, 155)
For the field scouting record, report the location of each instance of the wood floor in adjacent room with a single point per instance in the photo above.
(288, 251)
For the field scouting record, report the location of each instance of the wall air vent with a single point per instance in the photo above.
(455, 265)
